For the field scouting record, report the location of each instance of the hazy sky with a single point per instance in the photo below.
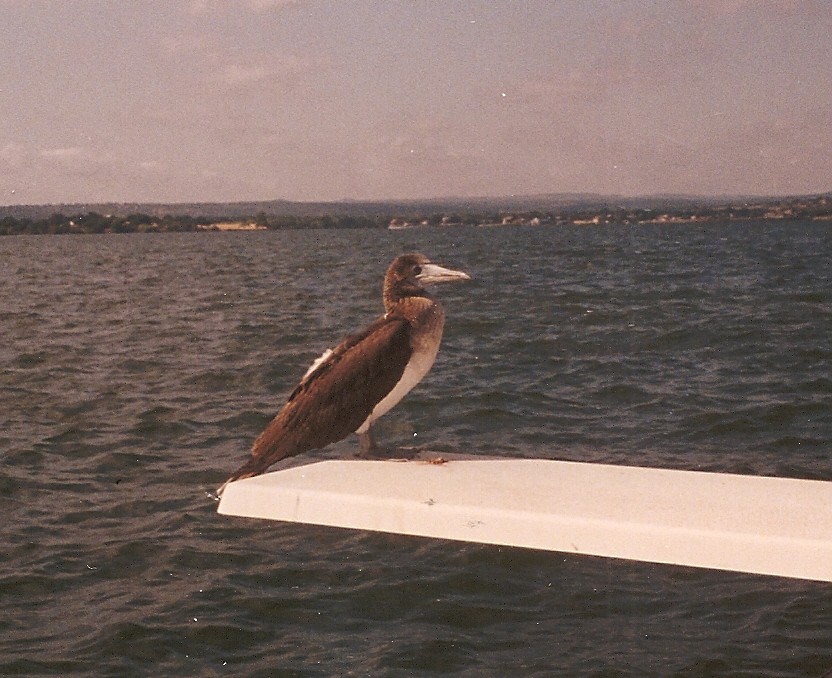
(212, 100)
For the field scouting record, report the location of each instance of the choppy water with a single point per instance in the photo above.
(138, 368)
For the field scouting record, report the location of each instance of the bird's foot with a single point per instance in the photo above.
(425, 455)
(383, 454)
(369, 450)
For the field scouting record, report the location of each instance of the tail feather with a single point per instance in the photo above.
(254, 466)
(287, 435)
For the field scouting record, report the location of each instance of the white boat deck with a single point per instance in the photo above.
(763, 525)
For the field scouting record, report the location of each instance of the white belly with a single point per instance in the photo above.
(419, 365)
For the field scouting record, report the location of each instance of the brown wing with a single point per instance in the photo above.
(334, 400)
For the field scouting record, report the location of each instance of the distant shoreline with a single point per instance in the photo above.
(487, 212)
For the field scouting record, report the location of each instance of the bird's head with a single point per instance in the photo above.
(409, 274)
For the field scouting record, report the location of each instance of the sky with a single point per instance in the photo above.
(220, 100)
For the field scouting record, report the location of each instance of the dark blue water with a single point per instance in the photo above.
(137, 369)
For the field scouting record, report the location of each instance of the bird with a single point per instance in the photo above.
(350, 386)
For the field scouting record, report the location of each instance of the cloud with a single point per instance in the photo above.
(70, 153)
(150, 165)
(202, 7)
(77, 160)
(768, 10)
(575, 86)
(13, 155)
(198, 64)
(183, 43)
(237, 72)
(264, 5)
(67, 174)
(245, 74)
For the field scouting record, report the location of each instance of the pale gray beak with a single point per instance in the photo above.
(432, 274)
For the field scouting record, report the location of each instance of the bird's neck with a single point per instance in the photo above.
(422, 311)
(401, 292)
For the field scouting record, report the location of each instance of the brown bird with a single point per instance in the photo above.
(365, 376)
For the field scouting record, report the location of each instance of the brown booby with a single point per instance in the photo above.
(366, 375)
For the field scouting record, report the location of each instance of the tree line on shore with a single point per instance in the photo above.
(93, 222)
(811, 208)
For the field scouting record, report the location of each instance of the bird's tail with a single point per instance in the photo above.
(253, 467)
(271, 446)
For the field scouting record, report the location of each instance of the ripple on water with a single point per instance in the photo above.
(139, 370)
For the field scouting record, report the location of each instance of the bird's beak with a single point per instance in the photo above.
(432, 274)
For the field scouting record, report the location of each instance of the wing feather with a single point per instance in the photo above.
(336, 395)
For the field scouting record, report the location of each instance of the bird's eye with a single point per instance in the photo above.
(417, 270)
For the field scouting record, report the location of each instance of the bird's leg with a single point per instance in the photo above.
(367, 443)
(369, 450)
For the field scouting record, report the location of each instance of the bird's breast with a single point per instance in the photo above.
(427, 322)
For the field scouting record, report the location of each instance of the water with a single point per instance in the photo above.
(137, 369)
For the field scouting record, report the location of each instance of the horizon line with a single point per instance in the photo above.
(571, 195)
